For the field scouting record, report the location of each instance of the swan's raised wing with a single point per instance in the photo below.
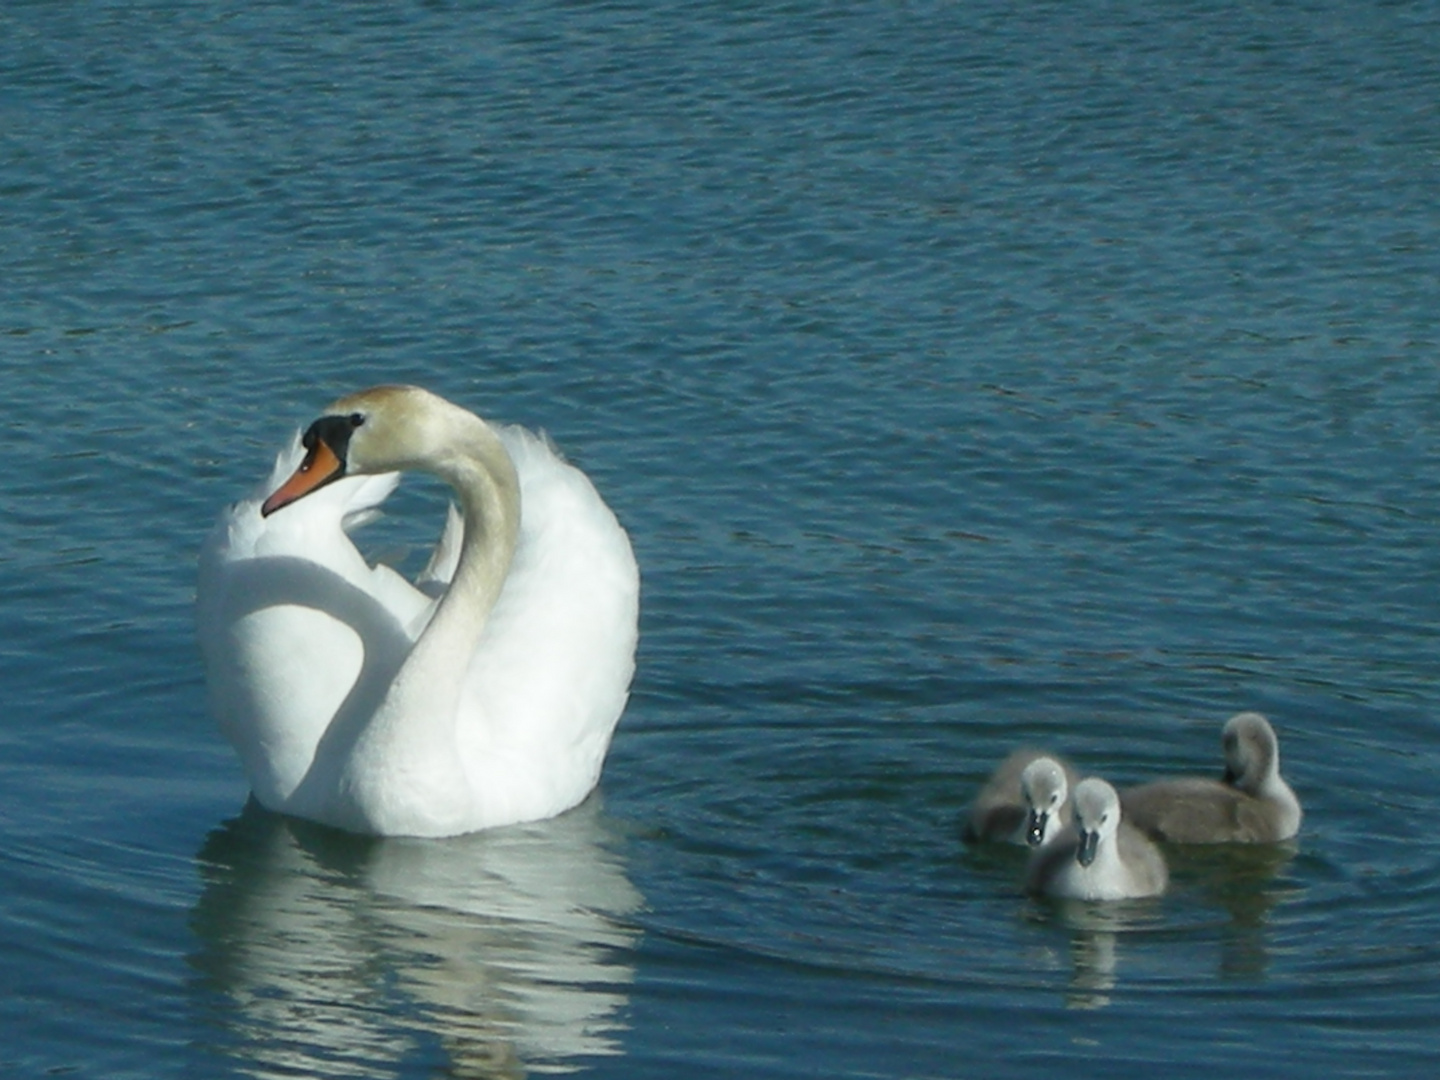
(289, 618)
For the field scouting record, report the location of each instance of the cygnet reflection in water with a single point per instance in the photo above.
(1025, 801)
(1252, 804)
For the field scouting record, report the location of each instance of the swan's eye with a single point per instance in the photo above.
(356, 419)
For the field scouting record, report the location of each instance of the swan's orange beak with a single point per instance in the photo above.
(319, 467)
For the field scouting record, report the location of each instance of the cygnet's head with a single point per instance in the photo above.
(1252, 753)
(1097, 816)
(1044, 787)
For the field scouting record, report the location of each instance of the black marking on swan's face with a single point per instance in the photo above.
(327, 448)
(334, 432)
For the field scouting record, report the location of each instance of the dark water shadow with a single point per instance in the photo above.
(1241, 880)
(491, 955)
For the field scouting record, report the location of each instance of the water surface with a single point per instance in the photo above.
(965, 374)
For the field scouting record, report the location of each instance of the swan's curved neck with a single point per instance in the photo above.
(480, 471)
(413, 732)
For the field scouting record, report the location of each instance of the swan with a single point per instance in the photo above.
(1101, 856)
(1023, 802)
(486, 695)
(1252, 805)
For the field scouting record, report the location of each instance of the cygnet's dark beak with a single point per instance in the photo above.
(1035, 827)
(1089, 841)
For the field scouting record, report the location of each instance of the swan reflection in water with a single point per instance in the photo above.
(500, 954)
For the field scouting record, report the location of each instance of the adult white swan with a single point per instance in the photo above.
(357, 699)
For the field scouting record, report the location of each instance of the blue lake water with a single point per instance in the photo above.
(965, 374)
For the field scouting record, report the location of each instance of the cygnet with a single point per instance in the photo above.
(1100, 857)
(1025, 801)
(1251, 805)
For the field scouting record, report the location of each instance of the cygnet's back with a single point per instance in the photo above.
(1252, 805)
(1025, 801)
(1100, 857)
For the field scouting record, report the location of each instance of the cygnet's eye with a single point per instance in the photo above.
(356, 419)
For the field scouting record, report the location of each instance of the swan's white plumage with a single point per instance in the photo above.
(302, 638)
